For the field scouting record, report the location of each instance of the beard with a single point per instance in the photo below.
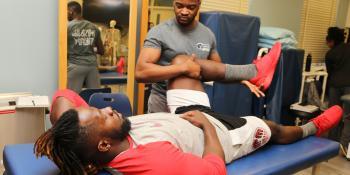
(123, 132)
(187, 22)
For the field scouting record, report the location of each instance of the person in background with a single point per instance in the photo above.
(83, 38)
(338, 68)
(186, 35)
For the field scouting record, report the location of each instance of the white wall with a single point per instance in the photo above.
(278, 13)
(28, 47)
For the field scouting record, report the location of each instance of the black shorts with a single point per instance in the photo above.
(230, 122)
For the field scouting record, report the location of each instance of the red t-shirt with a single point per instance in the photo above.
(164, 158)
(155, 158)
(71, 96)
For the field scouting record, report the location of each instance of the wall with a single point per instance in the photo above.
(278, 13)
(342, 13)
(164, 13)
(347, 23)
(28, 46)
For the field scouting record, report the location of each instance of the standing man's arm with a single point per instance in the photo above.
(214, 56)
(148, 71)
(99, 44)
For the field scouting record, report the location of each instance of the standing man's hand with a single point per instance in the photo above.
(192, 67)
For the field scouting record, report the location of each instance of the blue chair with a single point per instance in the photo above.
(117, 101)
(86, 93)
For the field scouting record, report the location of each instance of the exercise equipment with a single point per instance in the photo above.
(19, 159)
(272, 159)
(286, 159)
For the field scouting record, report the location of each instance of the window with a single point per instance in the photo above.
(317, 16)
(238, 6)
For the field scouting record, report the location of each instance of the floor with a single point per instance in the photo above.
(2, 169)
(336, 166)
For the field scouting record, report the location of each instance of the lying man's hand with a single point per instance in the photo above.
(197, 119)
(211, 141)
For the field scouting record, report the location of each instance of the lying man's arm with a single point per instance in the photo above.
(62, 101)
(211, 141)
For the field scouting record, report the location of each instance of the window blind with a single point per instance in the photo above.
(238, 6)
(316, 17)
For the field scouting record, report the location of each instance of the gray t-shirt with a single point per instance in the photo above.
(82, 38)
(181, 133)
(173, 40)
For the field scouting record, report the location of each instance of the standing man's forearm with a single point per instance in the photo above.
(154, 73)
(148, 71)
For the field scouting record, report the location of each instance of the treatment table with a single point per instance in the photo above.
(240, 47)
(19, 159)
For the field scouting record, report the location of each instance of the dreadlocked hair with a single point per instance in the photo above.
(61, 144)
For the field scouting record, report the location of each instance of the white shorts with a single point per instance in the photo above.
(184, 97)
(251, 136)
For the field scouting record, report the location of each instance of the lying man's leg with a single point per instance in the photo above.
(247, 133)
(260, 73)
(250, 133)
(317, 126)
(280, 134)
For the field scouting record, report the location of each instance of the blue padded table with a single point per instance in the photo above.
(273, 159)
(112, 77)
(20, 159)
(285, 159)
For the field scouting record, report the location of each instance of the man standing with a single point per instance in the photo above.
(338, 68)
(83, 37)
(338, 65)
(185, 35)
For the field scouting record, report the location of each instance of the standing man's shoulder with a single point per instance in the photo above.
(90, 24)
(206, 29)
(159, 33)
(167, 25)
(72, 23)
(334, 52)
